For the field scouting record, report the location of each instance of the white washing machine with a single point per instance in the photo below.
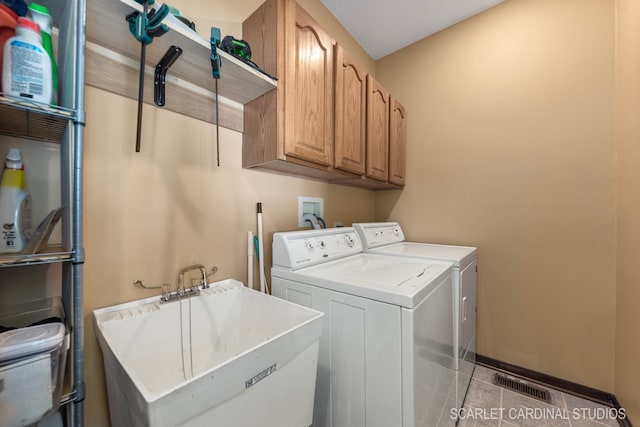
(386, 356)
(387, 238)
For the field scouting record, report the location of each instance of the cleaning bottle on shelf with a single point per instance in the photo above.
(8, 22)
(40, 15)
(26, 67)
(18, 6)
(15, 205)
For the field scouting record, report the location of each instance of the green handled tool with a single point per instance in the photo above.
(235, 47)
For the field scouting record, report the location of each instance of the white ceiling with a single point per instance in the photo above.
(383, 26)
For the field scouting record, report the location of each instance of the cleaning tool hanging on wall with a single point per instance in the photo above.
(250, 259)
(263, 279)
(256, 247)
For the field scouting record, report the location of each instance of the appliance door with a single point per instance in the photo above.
(359, 379)
(428, 376)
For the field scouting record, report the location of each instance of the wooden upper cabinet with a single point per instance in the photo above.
(397, 142)
(291, 129)
(327, 119)
(308, 88)
(377, 164)
(350, 113)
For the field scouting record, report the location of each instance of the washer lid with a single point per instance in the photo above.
(394, 280)
(460, 256)
(30, 340)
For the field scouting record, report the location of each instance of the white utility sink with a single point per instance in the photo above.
(229, 357)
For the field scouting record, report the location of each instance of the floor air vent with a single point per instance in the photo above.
(521, 387)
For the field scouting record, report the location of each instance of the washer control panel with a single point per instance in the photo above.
(297, 249)
(374, 234)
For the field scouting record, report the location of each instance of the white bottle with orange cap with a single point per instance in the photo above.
(26, 67)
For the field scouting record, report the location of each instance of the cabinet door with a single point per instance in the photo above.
(397, 142)
(351, 113)
(308, 88)
(377, 131)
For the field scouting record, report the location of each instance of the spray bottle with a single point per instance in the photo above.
(15, 205)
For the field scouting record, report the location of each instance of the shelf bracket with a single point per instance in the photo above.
(160, 75)
(145, 26)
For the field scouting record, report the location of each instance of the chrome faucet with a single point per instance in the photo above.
(183, 292)
(200, 267)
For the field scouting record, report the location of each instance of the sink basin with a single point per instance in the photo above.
(229, 357)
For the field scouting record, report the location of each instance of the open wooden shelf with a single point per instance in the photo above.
(113, 57)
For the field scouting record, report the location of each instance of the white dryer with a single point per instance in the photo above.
(387, 238)
(386, 356)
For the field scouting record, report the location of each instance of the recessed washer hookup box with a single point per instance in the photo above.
(33, 349)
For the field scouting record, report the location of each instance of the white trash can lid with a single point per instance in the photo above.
(30, 340)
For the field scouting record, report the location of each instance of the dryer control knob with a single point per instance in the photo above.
(349, 239)
(309, 246)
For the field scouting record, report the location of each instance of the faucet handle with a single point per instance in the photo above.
(142, 285)
(214, 270)
(205, 276)
(166, 288)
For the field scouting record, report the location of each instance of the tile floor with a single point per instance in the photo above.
(489, 405)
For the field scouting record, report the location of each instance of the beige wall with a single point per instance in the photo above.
(148, 214)
(511, 149)
(627, 373)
